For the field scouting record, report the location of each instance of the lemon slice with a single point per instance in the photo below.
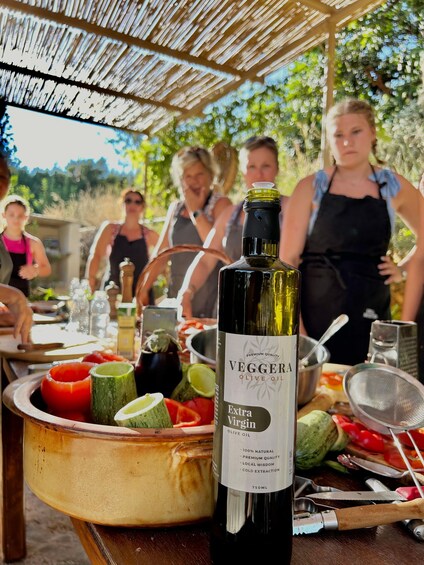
(198, 380)
(148, 411)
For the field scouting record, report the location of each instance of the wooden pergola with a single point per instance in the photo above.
(137, 65)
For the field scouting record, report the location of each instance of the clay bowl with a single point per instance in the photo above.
(202, 347)
(111, 475)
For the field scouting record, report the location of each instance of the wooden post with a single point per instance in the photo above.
(328, 97)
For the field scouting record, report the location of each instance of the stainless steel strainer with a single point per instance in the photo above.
(387, 400)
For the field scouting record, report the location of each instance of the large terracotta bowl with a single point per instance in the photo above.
(111, 475)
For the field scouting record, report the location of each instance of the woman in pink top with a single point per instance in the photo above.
(27, 251)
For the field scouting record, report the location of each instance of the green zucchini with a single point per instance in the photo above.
(316, 434)
(341, 441)
(198, 380)
(148, 411)
(112, 387)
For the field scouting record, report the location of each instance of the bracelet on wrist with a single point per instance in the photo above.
(197, 213)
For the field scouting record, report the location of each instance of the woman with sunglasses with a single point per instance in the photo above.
(258, 162)
(17, 312)
(189, 221)
(116, 241)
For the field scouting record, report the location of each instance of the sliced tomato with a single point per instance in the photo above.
(67, 388)
(394, 458)
(417, 435)
(359, 434)
(181, 415)
(102, 357)
(94, 357)
(204, 407)
(331, 380)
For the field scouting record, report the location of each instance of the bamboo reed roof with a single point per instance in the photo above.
(137, 65)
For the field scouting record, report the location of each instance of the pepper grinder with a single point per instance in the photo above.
(112, 291)
(126, 277)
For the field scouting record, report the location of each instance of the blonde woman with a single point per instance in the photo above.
(26, 251)
(258, 162)
(337, 229)
(189, 221)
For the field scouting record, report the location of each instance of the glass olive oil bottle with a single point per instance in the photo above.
(255, 402)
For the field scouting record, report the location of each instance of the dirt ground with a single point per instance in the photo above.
(50, 537)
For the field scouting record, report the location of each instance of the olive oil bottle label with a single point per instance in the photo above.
(256, 382)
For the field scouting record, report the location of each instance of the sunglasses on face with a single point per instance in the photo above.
(131, 201)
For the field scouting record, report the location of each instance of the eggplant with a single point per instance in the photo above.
(158, 367)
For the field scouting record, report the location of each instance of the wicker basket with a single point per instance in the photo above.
(183, 248)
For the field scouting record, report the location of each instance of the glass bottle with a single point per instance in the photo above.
(79, 318)
(100, 314)
(255, 402)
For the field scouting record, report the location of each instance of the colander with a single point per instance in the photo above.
(387, 400)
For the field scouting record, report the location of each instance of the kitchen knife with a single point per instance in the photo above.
(416, 527)
(400, 494)
(366, 496)
(27, 346)
(359, 517)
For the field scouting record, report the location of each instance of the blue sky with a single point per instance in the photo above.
(45, 141)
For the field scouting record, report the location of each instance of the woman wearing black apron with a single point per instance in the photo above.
(26, 250)
(18, 313)
(116, 241)
(337, 229)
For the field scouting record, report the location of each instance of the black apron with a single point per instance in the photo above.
(340, 274)
(19, 260)
(136, 251)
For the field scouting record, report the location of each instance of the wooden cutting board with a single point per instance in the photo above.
(74, 344)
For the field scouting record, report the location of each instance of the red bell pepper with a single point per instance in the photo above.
(204, 407)
(181, 415)
(394, 458)
(359, 434)
(417, 436)
(67, 388)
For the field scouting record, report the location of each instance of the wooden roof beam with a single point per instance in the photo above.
(351, 11)
(90, 87)
(178, 56)
(318, 6)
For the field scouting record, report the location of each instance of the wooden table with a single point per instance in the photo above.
(385, 545)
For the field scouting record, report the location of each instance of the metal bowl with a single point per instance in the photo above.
(202, 347)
